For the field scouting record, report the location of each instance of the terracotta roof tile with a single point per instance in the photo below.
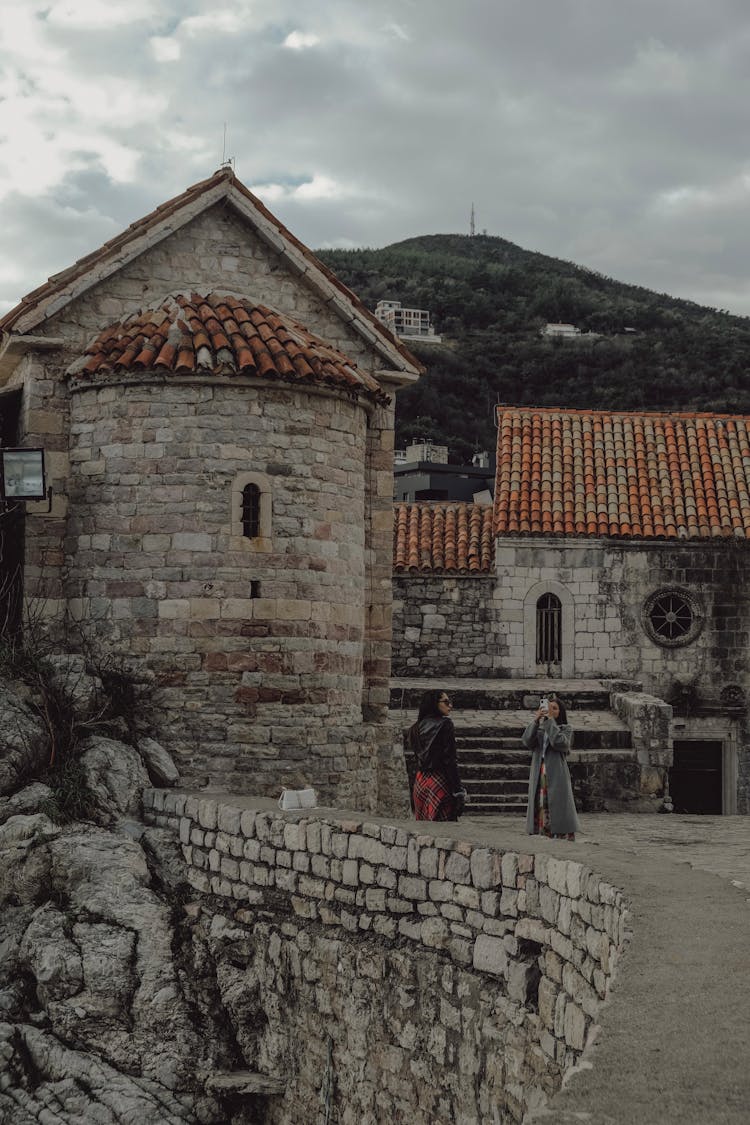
(622, 475)
(220, 334)
(443, 538)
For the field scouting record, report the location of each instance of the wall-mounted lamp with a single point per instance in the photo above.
(22, 476)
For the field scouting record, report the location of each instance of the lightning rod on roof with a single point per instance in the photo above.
(226, 161)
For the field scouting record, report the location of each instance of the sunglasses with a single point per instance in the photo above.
(448, 701)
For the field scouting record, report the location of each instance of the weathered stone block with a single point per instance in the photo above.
(490, 955)
(486, 870)
(458, 868)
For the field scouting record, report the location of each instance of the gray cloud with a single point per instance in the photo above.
(606, 133)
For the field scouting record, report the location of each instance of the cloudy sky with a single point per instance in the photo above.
(614, 134)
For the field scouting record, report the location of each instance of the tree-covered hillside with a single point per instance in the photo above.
(489, 299)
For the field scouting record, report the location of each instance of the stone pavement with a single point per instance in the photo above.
(675, 1034)
(719, 845)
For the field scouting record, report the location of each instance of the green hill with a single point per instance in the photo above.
(489, 299)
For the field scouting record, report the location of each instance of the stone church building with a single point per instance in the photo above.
(617, 549)
(216, 411)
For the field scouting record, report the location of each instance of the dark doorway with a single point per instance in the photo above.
(11, 528)
(695, 779)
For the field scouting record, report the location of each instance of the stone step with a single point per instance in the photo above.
(501, 730)
(509, 771)
(502, 786)
(490, 807)
(508, 694)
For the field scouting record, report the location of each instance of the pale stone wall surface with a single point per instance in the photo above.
(446, 626)
(449, 980)
(257, 645)
(609, 583)
(216, 251)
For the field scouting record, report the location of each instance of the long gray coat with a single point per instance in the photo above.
(562, 809)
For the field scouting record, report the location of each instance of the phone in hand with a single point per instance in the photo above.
(544, 705)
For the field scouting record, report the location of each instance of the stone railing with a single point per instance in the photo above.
(650, 722)
(529, 942)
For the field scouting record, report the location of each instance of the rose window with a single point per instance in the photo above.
(672, 617)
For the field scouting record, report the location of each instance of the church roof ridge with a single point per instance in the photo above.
(63, 286)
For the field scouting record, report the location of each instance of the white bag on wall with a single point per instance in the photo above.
(297, 799)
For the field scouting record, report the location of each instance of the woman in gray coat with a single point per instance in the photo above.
(551, 809)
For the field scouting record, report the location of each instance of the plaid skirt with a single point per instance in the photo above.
(541, 810)
(433, 799)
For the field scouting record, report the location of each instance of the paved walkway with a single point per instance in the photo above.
(675, 1033)
(719, 845)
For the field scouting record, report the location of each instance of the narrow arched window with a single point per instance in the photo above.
(251, 511)
(548, 629)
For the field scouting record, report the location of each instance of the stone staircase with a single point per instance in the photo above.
(490, 716)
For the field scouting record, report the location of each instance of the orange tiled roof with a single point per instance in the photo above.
(443, 537)
(221, 335)
(59, 283)
(627, 475)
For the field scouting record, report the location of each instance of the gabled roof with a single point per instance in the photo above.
(63, 287)
(444, 538)
(621, 474)
(219, 334)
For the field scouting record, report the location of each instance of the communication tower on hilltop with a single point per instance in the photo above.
(472, 230)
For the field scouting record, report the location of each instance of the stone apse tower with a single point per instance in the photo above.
(221, 414)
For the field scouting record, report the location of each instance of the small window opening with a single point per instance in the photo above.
(251, 511)
(255, 587)
(548, 630)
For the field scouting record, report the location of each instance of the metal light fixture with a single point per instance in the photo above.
(22, 475)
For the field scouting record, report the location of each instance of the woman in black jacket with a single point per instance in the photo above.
(437, 789)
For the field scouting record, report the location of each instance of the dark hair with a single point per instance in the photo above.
(563, 716)
(429, 705)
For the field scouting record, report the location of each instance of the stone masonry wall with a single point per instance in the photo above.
(608, 585)
(649, 720)
(257, 645)
(215, 251)
(45, 422)
(219, 251)
(446, 626)
(414, 977)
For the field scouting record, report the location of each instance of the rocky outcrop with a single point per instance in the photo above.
(109, 1011)
(24, 746)
(158, 762)
(114, 771)
(97, 1006)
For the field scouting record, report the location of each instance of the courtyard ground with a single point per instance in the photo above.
(675, 1035)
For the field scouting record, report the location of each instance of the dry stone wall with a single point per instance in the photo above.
(413, 977)
(446, 626)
